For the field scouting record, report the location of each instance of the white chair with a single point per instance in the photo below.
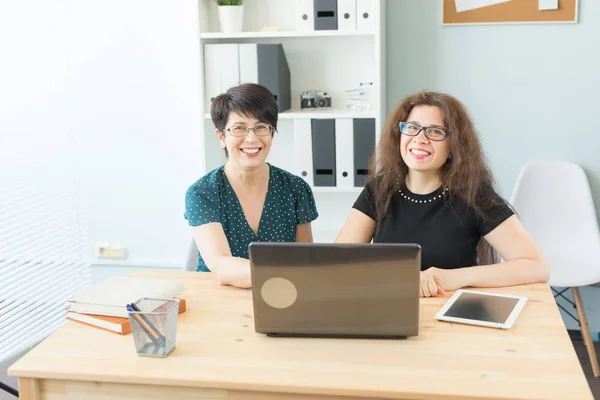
(191, 261)
(554, 202)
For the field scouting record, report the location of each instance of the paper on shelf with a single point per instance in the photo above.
(548, 5)
(466, 5)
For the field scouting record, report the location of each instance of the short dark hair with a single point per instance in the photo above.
(249, 99)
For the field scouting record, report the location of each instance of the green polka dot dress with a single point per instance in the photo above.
(289, 202)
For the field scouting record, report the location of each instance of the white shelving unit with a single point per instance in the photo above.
(332, 61)
(279, 34)
(325, 189)
(325, 113)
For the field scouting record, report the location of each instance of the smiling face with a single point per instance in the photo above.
(246, 152)
(419, 152)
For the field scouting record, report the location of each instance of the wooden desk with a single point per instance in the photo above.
(219, 356)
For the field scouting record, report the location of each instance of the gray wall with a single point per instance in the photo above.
(531, 89)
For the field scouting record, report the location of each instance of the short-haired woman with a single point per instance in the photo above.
(246, 199)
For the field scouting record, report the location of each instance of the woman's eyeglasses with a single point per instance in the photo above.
(243, 130)
(431, 132)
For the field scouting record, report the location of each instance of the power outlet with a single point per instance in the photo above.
(102, 250)
(114, 252)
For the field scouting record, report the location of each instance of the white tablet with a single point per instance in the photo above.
(480, 308)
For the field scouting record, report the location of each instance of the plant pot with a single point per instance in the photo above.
(231, 18)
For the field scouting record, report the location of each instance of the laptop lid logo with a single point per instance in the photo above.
(279, 292)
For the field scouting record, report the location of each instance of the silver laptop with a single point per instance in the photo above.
(336, 290)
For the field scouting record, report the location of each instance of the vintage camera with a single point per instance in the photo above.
(315, 99)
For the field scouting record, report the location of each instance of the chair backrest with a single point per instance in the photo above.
(191, 261)
(554, 202)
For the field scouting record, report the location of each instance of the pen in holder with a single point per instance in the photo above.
(154, 325)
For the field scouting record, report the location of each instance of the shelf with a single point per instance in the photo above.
(334, 189)
(321, 114)
(281, 34)
(333, 113)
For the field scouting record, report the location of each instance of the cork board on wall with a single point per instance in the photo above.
(464, 12)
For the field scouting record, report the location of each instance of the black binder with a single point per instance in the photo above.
(364, 144)
(323, 146)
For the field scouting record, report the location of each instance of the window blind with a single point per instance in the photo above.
(42, 239)
(42, 224)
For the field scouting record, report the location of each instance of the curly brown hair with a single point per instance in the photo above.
(465, 172)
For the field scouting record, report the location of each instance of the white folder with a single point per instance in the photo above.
(305, 15)
(248, 63)
(344, 152)
(303, 150)
(212, 73)
(229, 62)
(346, 15)
(365, 20)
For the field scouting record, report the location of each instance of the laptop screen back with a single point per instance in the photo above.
(359, 289)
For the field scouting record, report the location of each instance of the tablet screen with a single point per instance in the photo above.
(482, 308)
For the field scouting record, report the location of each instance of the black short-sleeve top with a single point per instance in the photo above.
(448, 231)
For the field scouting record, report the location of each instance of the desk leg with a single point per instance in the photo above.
(29, 389)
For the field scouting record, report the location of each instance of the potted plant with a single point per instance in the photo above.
(231, 15)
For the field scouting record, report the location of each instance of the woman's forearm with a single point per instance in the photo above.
(233, 271)
(510, 273)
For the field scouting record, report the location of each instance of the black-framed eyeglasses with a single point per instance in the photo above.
(243, 130)
(431, 132)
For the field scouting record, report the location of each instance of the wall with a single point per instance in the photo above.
(125, 77)
(135, 70)
(532, 89)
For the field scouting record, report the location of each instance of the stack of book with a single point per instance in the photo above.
(104, 305)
